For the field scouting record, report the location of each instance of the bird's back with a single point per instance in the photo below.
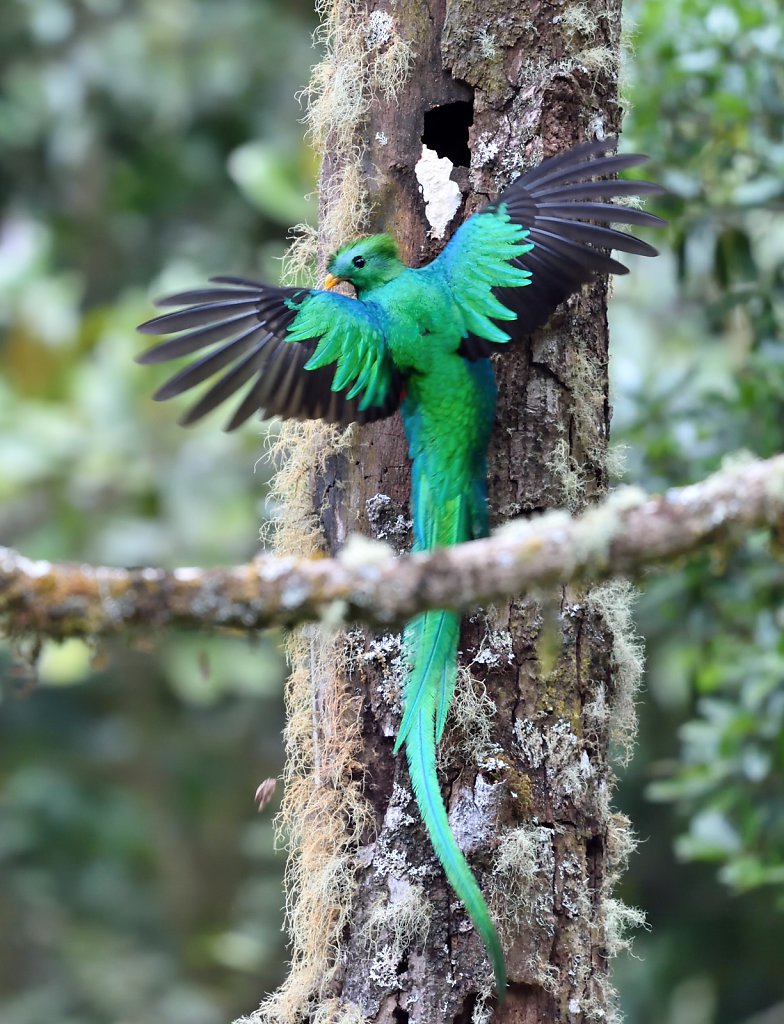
(450, 402)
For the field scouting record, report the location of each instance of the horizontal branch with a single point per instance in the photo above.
(621, 537)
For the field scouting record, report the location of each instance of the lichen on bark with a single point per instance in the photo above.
(528, 786)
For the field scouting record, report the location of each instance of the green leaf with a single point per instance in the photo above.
(273, 182)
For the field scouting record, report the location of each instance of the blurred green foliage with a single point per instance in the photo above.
(699, 379)
(145, 145)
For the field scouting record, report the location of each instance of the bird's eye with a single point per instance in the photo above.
(359, 262)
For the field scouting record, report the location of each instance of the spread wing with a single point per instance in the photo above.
(558, 215)
(306, 354)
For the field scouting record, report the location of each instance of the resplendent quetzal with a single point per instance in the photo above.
(418, 341)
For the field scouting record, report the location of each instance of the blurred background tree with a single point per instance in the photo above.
(144, 145)
(147, 145)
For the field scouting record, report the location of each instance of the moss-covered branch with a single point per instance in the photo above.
(622, 537)
(628, 533)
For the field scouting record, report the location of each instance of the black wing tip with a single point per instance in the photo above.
(231, 425)
(649, 188)
(596, 148)
(149, 327)
(148, 357)
(644, 249)
(652, 220)
(194, 414)
(239, 418)
(242, 282)
(187, 419)
(164, 392)
(609, 144)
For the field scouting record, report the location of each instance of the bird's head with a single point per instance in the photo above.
(367, 263)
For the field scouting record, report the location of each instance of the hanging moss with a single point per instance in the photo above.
(324, 812)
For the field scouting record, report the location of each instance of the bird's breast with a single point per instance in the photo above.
(421, 324)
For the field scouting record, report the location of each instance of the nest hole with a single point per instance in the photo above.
(446, 131)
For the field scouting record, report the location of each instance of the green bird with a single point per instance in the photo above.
(417, 340)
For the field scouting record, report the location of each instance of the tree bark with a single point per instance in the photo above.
(525, 770)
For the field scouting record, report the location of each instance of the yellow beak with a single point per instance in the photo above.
(330, 281)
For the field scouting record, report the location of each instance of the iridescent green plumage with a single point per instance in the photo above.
(417, 340)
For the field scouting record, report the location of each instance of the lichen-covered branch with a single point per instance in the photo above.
(626, 534)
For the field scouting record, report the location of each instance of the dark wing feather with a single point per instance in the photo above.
(241, 326)
(568, 215)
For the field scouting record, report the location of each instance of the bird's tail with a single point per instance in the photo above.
(421, 753)
(430, 640)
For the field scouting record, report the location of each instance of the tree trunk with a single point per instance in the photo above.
(377, 933)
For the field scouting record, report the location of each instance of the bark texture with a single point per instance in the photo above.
(525, 766)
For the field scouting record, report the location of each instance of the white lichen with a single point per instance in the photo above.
(384, 650)
(487, 45)
(555, 748)
(484, 151)
(387, 655)
(598, 59)
(495, 649)
(378, 29)
(388, 521)
(360, 552)
(393, 926)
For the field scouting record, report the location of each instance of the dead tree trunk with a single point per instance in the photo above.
(377, 933)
